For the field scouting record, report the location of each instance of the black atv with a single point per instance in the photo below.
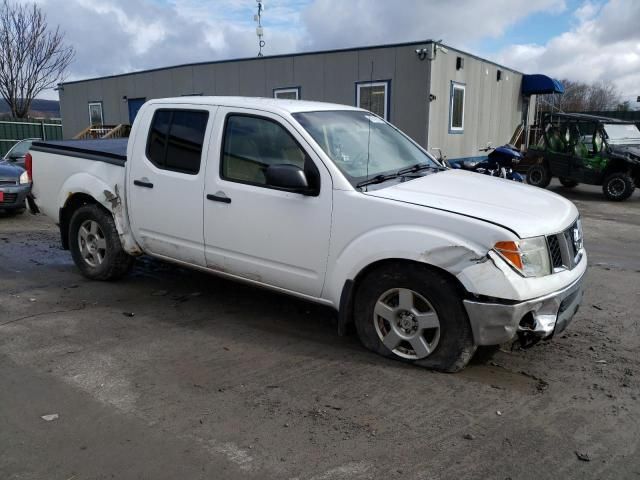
(579, 148)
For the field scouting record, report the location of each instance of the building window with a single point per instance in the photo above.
(176, 138)
(95, 113)
(456, 108)
(374, 96)
(292, 93)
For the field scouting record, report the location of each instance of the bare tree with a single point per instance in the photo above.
(33, 57)
(584, 97)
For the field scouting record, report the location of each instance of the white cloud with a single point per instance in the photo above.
(604, 44)
(334, 23)
(115, 36)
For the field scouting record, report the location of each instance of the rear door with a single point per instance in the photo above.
(252, 229)
(166, 181)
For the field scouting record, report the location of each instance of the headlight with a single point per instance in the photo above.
(24, 178)
(530, 256)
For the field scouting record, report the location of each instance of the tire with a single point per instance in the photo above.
(567, 183)
(97, 250)
(539, 175)
(618, 186)
(434, 300)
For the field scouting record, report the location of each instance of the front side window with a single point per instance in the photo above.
(362, 145)
(456, 108)
(374, 96)
(287, 93)
(176, 138)
(252, 144)
(95, 113)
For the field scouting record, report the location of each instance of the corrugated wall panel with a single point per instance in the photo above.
(493, 109)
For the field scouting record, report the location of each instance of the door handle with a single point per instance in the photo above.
(218, 198)
(141, 183)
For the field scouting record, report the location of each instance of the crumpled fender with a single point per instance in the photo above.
(449, 252)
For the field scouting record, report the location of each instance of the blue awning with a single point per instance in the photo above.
(540, 84)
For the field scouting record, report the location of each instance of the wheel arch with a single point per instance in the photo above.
(84, 189)
(350, 287)
(616, 165)
(73, 203)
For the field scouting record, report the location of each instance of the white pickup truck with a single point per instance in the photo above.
(325, 202)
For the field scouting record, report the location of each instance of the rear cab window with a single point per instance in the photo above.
(175, 139)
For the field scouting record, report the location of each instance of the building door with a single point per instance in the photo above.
(95, 114)
(134, 106)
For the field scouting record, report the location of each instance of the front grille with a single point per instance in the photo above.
(554, 251)
(8, 182)
(9, 198)
(565, 248)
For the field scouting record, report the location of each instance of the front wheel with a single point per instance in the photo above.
(95, 245)
(618, 186)
(539, 175)
(411, 313)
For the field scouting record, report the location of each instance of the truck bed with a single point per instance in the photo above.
(113, 151)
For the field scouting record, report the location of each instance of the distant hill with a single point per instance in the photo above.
(39, 108)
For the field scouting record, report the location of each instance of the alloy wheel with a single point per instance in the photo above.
(93, 245)
(406, 323)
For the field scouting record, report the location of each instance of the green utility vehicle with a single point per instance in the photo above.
(579, 148)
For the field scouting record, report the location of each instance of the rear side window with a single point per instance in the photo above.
(176, 138)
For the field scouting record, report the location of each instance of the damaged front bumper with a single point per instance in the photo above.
(496, 323)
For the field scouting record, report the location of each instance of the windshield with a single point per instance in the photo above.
(350, 137)
(20, 149)
(622, 133)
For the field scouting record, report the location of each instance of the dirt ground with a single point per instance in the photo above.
(174, 374)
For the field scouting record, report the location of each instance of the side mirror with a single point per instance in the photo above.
(288, 177)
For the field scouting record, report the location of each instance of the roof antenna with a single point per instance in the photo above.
(259, 30)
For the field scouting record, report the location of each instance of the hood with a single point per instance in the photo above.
(8, 171)
(632, 150)
(528, 211)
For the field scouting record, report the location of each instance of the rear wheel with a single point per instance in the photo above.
(95, 244)
(568, 183)
(539, 175)
(410, 313)
(618, 186)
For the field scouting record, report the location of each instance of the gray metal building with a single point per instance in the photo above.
(442, 97)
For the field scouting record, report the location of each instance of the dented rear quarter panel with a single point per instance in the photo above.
(58, 177)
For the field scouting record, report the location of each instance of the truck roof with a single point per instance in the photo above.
(587, 117)
(271, 104)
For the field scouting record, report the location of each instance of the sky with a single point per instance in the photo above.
(586, 40)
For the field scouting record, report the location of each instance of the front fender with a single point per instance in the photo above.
(444, 250)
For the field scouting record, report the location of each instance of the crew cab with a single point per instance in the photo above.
(325, 202)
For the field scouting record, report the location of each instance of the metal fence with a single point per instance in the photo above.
(13, 130)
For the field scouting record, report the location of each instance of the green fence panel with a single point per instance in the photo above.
(13, 130)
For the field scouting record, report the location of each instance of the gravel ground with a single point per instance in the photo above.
(172, 373)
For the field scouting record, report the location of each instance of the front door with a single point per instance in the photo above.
(134, 106)
(166, 182)
(251, 228)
